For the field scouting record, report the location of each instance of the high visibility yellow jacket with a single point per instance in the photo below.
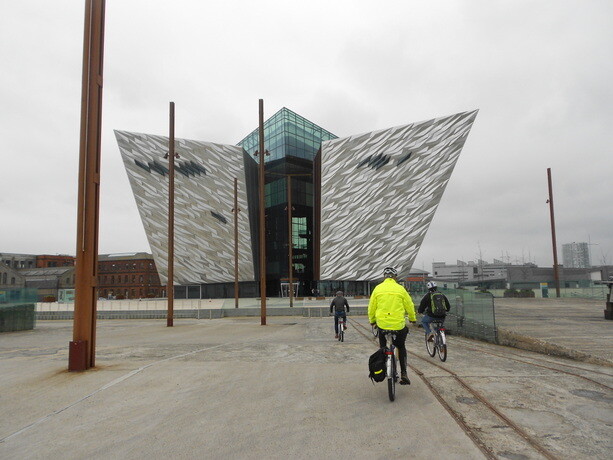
(389, 304)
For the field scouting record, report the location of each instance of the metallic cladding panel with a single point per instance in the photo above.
(379, 193)
(204, 198)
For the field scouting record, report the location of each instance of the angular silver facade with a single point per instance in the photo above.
(204, 199)
(379, 193)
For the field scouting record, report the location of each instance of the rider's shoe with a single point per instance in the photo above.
(336, 336)
(430, 337)
(345, 327)
(404, 379)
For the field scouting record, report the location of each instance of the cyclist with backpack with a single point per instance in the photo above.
(389, 304)
(434, 306)
(339, 304)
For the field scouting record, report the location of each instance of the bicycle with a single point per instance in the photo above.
(341, 325)
(391, 365)
(436, 342)
(341, 329)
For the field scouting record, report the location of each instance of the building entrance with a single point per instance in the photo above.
(285, 289)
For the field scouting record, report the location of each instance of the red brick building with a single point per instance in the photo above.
(128, 276)
(59, 260)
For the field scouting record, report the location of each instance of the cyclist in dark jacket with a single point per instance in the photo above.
(338, 304)
(425, 307)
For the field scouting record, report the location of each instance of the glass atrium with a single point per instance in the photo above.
(292, 142)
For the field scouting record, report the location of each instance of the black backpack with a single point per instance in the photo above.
(376, 366)
(437, 305)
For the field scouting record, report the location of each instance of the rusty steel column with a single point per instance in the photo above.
(82, 349)
(171, 217)
(262, 226)
(556, 276)
(235, 210)
(290, 268)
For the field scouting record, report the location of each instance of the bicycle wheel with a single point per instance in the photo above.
(430, 345)
(341, 333)
(391, 380)
(442, 352)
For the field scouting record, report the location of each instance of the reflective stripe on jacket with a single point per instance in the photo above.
(389, 304)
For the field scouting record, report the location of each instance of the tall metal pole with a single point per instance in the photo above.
(171, 217)
(556, 276)
(235, 242)
(82, 349)
(290, 267)
(262, 226)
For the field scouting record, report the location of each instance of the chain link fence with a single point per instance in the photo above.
(471, 315)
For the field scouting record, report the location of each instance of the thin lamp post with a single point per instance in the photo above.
(556, 277)
(262, 226)
(82, 348)
(171, 155)
(235, 210)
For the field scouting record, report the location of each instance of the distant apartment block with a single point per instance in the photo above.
(576, 255)
(501, 275)
(470, 271)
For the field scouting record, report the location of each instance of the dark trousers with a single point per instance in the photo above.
(401, 337)
(338, 314)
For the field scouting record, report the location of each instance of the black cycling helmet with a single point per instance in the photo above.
(339, 293)
(431, 285)
(390, 272)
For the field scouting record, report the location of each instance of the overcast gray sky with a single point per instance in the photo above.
(540, 73)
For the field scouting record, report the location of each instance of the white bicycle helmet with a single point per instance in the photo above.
(431, 285)
(390, 272)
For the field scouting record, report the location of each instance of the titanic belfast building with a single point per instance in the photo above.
(358, 203)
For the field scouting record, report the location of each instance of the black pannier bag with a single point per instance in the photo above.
(376, 366)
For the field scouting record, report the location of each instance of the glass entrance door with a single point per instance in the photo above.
(285, 289)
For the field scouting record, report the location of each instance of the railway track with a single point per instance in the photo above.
(475, 433)
(535, 362)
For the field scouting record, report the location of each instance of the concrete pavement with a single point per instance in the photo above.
(210, 389)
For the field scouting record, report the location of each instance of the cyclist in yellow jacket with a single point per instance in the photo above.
(389, 304)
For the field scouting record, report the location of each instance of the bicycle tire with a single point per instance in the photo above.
(341, 334)
(431, 345)
(391, 382)
(442, 352)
